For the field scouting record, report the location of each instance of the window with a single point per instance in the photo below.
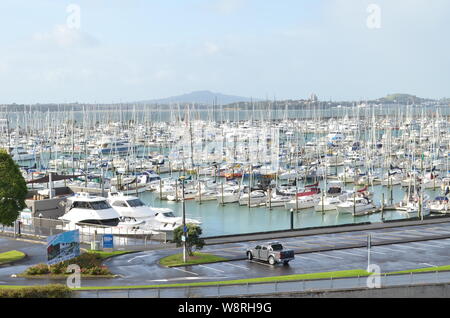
(100, 205)
(81, 205)
(264, 248)
(135, 203)
(258, 247)
(277, 247)
(109, 222)
(120, 204)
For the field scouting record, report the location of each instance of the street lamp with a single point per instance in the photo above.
(183, 237)
(40, 223)
(292, 219)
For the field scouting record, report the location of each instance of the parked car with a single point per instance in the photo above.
(273, 253)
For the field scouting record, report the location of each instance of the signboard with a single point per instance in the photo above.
(108, 241)
(62, 247)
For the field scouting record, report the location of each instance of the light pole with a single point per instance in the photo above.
(183, 237)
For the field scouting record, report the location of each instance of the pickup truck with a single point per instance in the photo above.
(273, 253)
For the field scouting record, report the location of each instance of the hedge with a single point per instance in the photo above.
(48, 291)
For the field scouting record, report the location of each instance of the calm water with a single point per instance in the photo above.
(234, 219)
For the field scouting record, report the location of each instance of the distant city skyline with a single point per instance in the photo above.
(123, 51)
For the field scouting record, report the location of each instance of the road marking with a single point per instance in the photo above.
(429, 245)
(438, 231)
(261, 263)
(238, 266)
(419, 233)
(399, 235)
(304, 257)
(182, 270)
(414, 248)
(336, 257)
(211, 268)
(386, 248)
(375, 252)
(132, 259)
(431, 265)
(344, 252)
(441, 242)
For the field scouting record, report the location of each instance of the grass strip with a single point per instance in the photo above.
(198, 258)
(11, 256)
(312, 276)
(106, 255)
(423, 270)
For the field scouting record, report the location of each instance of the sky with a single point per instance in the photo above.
(102, 51)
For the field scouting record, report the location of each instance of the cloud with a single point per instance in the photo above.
(229, 6)
(211, 48)
(65, 37)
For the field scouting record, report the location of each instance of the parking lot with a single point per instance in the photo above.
(392, 250)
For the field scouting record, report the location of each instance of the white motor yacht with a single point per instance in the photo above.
(156, 219)
(88, 213)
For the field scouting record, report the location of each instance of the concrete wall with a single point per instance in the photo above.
(413, 291)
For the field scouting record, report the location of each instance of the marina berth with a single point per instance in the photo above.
(231, 160)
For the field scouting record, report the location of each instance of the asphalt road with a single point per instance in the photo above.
(393, 249)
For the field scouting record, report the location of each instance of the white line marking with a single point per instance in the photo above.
(386, 248)
(429, 245)
(182, 270)
(217, 270)
(414, 248)
(437, 231)
(336, 257)
(132, 259)
(399, 234)
(431, 265)
(261, 263)
(354, 254)
(375, 252)
(307, 258)
(242, 267)
(442, 242)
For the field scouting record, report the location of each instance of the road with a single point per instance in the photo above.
(393, 249)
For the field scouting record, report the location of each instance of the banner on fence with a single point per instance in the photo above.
(108, 241)
(62, 247)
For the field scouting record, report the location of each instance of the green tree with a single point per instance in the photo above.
(13, 189)
(193, 238)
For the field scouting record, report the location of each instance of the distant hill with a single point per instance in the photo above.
(403, 99)
(200, 97)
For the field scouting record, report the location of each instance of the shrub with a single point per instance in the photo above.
(39, 269)
(90, 264)
(98, 270)
(59, 268)
(85, 261)
(49, 291)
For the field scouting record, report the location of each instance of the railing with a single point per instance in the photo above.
(331, 284)
(41, 228)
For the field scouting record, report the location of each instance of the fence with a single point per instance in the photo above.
(124, 237)
(332, 284)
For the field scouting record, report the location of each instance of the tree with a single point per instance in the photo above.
(13, 189)
(193, 238)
